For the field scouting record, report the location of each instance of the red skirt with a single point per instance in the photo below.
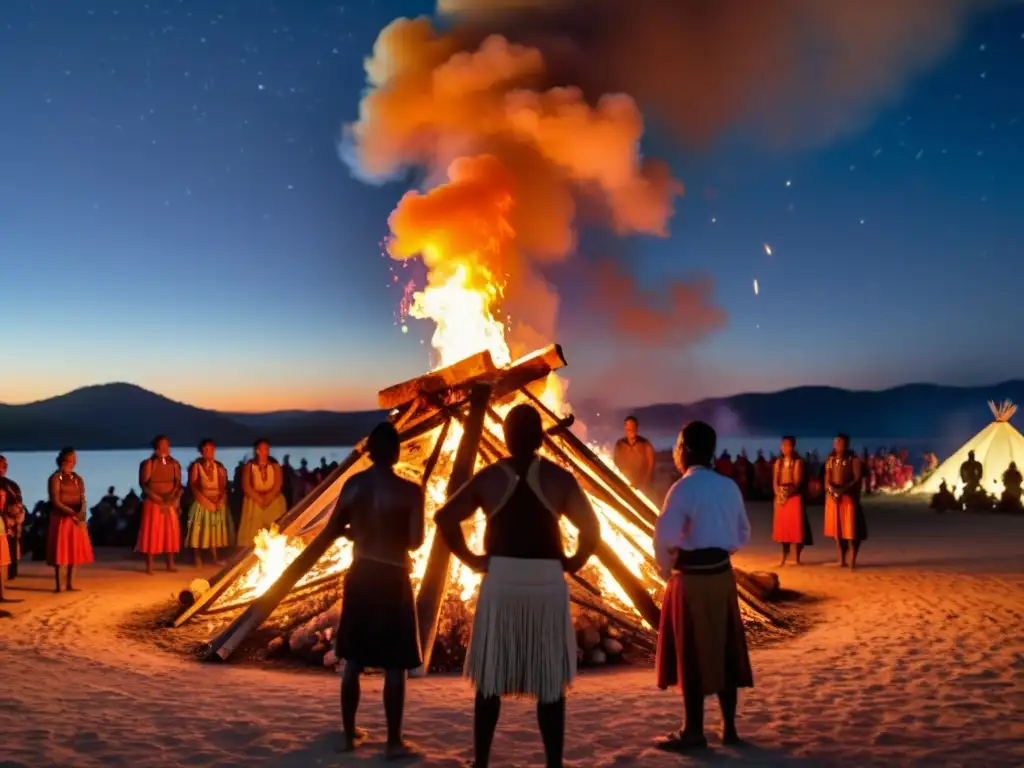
(701, 640)
(160, 531)
(844, 519)
(5, 552)
(790, 524)
(67, 541)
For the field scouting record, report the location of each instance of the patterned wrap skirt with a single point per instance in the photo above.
(209, 530)
(256, 518)
(523, 642)
(701, 641)
(844, 519)
(378, 625)
(160, 530)
(67, 541)
(790, 524)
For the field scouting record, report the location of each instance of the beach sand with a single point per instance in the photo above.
(915, 659)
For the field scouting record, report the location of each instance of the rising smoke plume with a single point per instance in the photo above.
(523, 113)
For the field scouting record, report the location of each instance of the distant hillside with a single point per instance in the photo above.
(111, 416)
(912, 410)
(126, 416)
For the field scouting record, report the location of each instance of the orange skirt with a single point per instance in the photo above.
(5, 552)
(160, 530)
(789, 523)
(67, 542)
(844, 519)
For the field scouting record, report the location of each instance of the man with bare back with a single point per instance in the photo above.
(382, 514)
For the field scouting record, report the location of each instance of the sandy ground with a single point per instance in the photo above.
(916, 659)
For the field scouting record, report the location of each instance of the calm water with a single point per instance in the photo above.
(102, 469)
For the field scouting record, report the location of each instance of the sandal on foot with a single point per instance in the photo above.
(679, 741)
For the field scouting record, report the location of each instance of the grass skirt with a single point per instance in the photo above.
(256, 518)
(209, 530)
(523, 643)
(701, 639)
(160, 530)
(67, 541)
(378, 618)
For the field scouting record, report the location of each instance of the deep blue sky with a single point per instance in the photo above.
(174, 213)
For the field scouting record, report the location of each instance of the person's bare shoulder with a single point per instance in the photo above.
(557, 477)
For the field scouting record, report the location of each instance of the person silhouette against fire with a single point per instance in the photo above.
(523, 642)
(382, 514)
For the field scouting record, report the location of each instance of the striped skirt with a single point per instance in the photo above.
(523, 643)
(209, 530)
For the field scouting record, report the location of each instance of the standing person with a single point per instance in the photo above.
(523, 642)
(13, 511)
(634, 456)
(5, 552)
(383, 516)
(844, 515)
(160, 530)
(67, 538)
(263, 505)
(789, 520)
(702, 645)
(209, 520)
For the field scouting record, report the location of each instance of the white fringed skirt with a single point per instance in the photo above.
(523, 642)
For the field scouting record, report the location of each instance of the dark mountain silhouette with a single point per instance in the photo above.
(126, 416)
(111, 416)
(912, 410)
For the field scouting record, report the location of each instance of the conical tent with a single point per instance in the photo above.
(449, 422)
(995, 447)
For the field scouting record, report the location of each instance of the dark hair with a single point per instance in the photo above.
(66, 451)
(157, 439)
(789, 439)
(629, 419)
(259, 442)
(699, 441)
(524, 431)
(845, 438)
(203, 443)
(384, 445)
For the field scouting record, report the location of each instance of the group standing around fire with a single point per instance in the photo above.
(523, 640)
(209, 526)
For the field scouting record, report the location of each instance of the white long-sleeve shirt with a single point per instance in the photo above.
(703, 510)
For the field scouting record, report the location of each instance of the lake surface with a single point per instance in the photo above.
(101, 469)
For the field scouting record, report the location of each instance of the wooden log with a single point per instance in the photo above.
(222, 646)
(424, 420)
(245, 558)
(594, 463)
(435, 454)
(452, 376)
(631, 585)
(527, 370)
(435, 577)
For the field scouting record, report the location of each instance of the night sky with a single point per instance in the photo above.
(175, 214)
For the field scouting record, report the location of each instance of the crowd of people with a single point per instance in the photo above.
(202, 509)
(974, 498)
